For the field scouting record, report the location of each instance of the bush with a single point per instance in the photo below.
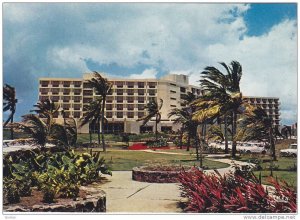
(234, 193)
(56, 174)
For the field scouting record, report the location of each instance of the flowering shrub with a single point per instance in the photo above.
(140, 146)
(233, 193)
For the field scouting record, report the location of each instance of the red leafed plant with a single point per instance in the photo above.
(234, 193)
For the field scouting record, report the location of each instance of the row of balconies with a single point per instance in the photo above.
(59, 86)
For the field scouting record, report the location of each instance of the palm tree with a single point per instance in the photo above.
(35, 127)
(46, 109)
(9, 103)
(153, 110)
(92, 116)
(222, 95)
(102, 88)
(258, 125)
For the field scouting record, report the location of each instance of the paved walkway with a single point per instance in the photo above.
(128, 196)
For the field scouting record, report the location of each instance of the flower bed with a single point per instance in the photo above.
(141, 146)
(156, 174)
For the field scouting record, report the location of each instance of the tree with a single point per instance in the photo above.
(153, 110)
(258, 125)
(92, 116)
(46, 109)
(102, 88)
(222, 95)
(9, 104)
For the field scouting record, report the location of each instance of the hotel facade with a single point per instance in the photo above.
(127, 98)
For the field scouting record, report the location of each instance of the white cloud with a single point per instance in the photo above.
(146, 74)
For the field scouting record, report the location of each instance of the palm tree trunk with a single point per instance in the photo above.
(90, 133)
(226, 134)
(234, 121)
(156, 134)
(11, 129)
(98, 131)
(188, 142)
(272, 143)
(180, 138)
(102, 124)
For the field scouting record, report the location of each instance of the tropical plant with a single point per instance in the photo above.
(46, 109)
(258, 125)
(222, 96)
(234, 193)
(153, 110)
(102, 87)
(92, 116)
(9, 104)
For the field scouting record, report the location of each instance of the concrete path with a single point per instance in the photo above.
(128, 196)
(125, 195)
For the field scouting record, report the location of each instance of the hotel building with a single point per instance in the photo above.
(127, 98)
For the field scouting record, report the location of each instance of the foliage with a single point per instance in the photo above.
(161, 142)
(56, 174)
(234, 193)
(9, 104)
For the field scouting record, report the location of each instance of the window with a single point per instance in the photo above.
(77, 84)
(109, 106)
(77, 98)
(66, 106)
(141, 92)
(173, 106)
(130, 91)
(87, 100)
(172, 84)
(44, 91)
(119, 106)
(141, 84)
(166, 128)
(152, 84)
(119, 91)
(151, 91)
(88, 92)
(119, 84)
(55, 98)
(44, 83)
(119, 114)
(141, 114)
(77, 91)
(130, 107)
(43, 98)
(119, 99)
(109, 99)
(110, 92)
(130, 84)
(141, 99)
(55, 83)
(141, 107)
(66, 98)
(66, 84)
(172, 91)
(109, 114)
(76, 114)
(55, 91)
(173, 98)
(130, 114)
(182, 89)
(87, 85)
(130, 99)
(66, 91)
(77, 106)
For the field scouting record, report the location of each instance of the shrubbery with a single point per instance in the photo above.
(235, 193)
(55, 174)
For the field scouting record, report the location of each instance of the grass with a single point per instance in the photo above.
(281, 168)
(126, 160)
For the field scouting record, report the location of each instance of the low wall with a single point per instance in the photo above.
(157, 176)
(91, 203)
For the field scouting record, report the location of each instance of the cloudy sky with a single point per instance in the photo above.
(139, 40)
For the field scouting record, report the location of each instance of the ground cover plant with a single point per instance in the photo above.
(56, 175)
(235, 193)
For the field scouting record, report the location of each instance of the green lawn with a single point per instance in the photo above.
(126, 160)
(282, 168)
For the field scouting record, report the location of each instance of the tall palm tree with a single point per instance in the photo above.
(37, 129)
(102, 88)
(9, 104)
(153, 110)
(258, 125)
(46, 109)
(92, 116)
(222, 95)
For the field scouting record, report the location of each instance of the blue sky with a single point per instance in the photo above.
(150, 40)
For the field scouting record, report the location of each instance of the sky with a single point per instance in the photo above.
(147, 40)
